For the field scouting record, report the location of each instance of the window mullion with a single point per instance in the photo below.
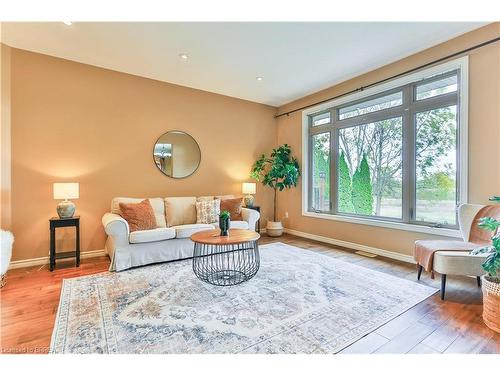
(334, 153)
(311, 172)
(408, 156)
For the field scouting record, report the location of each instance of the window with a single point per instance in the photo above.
(370, 169)
(437, 87)
(377, 104)
(321, 171)
(392, 156)
(321, 119)
(436, 167)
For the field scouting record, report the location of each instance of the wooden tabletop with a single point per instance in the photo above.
(213, 237)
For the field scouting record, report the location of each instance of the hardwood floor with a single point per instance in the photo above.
(29, 302)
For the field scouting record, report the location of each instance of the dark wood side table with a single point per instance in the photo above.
(256, 208)
(56, 222)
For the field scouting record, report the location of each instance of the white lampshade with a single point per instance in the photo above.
(66, 190)
(248, 188)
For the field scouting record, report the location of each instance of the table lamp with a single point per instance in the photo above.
(248, 188)
(66, 191)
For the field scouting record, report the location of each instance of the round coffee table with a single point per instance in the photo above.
(225, 260)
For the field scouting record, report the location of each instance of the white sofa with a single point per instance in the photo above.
(176, 222)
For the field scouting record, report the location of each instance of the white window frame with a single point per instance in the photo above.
(463, 65)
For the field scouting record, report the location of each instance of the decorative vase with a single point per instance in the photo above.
(248, 199)
(491, 302)
(274, 228)
(224, 224)
(66, 209)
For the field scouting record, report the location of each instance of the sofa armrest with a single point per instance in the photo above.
(116, 227)
(250, 216)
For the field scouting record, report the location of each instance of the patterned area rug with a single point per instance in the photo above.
(299, 302)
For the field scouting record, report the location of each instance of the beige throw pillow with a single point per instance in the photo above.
(180, 210)
(207, 211)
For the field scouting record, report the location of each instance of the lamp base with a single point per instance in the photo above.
(248, 199)
(66, 209)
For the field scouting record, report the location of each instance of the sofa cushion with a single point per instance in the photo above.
(180, 210)
(207, 211)
(157, 204)
(186, 230)
(152, 235)
(238, 224)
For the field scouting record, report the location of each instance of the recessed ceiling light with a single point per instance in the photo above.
(259, 78)
(184, 56)
(68, 23)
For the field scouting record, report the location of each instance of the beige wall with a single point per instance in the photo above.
(484, 139)
(74, 122)
(5, 139)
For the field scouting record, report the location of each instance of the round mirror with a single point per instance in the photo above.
(177, 154)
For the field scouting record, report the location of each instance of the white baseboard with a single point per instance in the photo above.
(352, 245)
(45, 260)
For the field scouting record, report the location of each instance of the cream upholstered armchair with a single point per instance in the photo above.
(449, 257)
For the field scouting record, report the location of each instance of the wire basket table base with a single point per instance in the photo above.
(225, 265)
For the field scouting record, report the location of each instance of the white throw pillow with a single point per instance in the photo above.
(207, 211)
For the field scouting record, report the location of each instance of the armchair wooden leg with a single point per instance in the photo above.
(443, 286)
(478, 278)
(420, 268)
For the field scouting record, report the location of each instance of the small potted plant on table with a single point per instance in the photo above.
(224, 223)
(491, 281)
(280, 171)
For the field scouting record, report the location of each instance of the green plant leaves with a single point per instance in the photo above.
(280, 171)
(482, 250)
(492, 263)
(489, 223)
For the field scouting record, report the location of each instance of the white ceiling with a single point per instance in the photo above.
(295, 59)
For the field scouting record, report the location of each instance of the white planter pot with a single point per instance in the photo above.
(274, 228)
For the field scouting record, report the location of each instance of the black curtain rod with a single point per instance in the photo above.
(491, 41)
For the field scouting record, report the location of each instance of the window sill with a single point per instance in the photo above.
(388, 224)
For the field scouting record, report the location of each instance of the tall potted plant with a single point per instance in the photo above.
(491, 281)
(279, 171)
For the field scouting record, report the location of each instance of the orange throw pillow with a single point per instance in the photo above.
(139, 216)
(232, 205)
